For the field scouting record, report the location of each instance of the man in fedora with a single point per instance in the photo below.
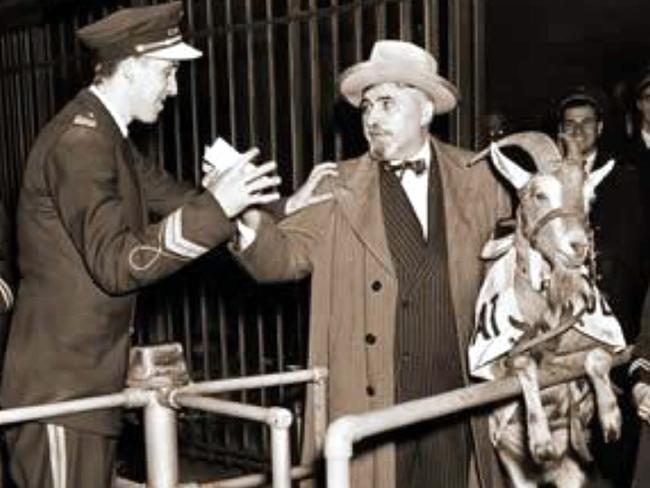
(87, 244)
(394, 266)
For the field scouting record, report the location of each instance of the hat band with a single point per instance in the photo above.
(154, 46)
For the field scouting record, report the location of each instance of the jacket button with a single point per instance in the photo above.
(370, 390)
(371, 339)
(376, 285)
(405, 302)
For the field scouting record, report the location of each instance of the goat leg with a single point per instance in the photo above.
(597, 366)
(540, 440)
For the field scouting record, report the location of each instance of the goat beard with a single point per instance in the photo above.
(568, 290)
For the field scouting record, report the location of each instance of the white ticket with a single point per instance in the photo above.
(221, 155)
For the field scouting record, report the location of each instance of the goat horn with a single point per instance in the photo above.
(541, 147)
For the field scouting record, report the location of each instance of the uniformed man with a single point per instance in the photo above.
(86, 244)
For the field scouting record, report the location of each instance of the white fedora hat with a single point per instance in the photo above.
(399, 62)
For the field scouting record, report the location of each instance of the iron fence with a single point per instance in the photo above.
(268, 78)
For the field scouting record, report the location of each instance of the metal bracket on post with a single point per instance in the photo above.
(159, 368)
(319, 388)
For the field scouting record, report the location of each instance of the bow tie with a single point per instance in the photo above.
(418, 166)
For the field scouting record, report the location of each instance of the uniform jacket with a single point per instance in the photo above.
(342, 243)
(85, 247)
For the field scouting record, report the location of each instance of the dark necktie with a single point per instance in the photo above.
(418, 166)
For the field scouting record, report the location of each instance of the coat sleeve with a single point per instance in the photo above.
(285, 250)
(163, 193)
(85, 195)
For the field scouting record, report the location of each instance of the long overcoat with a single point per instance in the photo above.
(342, 243)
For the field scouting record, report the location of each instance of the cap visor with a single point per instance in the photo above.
(179, 52)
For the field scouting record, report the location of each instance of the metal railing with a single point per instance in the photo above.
(344, 432)
(161, 396)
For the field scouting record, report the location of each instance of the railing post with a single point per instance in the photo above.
(160, 369)
(338, 452)
(280, 421)
(161, 444)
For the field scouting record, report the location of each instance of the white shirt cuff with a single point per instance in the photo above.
(246, 235)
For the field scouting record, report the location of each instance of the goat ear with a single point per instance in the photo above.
(595, 177)
(510, 170)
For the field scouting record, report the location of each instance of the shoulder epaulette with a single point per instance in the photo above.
(85, 120)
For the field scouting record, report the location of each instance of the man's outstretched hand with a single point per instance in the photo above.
(305, 196)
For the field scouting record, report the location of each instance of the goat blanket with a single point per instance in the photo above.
(499, 324)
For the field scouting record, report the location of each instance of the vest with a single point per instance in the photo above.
(433, 454)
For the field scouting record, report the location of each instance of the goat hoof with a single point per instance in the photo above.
(611, 425)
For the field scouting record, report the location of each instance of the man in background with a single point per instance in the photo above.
(615, 215)
(616, 222)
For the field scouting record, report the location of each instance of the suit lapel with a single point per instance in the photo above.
(458, 231)
(360, 201)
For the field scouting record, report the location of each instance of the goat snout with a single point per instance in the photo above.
(575, 246)
(580, 249)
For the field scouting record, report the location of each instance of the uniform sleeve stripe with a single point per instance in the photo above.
(7, 294)
(174, 240)
(58, 457)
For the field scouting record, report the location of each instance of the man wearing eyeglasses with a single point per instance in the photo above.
(616, 221)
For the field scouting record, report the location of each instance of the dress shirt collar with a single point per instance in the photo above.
(111, 110)
(423, 153)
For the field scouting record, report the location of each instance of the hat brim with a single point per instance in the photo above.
(177, 52)
(356, 79)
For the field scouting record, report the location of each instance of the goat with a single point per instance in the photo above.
(538, 307)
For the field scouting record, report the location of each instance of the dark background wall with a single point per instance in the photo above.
(536, 49)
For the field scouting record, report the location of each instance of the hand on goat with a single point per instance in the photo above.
(641, 394)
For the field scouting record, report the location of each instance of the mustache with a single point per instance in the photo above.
(378, 132)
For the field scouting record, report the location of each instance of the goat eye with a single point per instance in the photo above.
(540, 197)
